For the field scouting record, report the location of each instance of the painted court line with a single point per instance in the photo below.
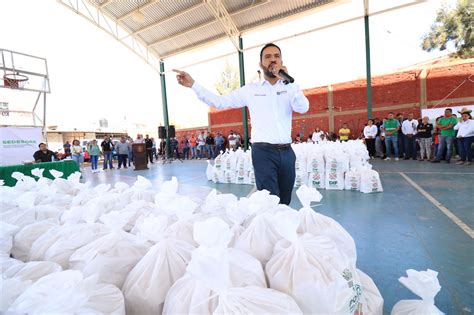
(438, 205)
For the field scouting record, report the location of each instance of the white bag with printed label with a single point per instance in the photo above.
(370, 182)
(313, 270)
(352, 180)
(372, 300)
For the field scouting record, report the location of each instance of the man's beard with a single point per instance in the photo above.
(268, 73)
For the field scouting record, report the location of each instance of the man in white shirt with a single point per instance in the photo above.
(465, 136)
(370, 132)
(409, 127)
(271, 104)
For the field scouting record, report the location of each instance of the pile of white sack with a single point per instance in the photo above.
(67, 247)
(325, 165)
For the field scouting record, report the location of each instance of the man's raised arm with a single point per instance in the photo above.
(235, 99)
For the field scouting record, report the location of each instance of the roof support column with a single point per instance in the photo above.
(242, 83)
(367, 59)
(164, 100)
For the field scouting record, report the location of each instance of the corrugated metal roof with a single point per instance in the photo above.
(172, 26)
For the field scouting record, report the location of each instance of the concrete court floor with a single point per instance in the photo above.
(396, 230)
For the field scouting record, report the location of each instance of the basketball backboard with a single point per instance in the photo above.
(23, 72)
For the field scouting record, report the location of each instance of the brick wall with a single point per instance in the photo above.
(397, 92)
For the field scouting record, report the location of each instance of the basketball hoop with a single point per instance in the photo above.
(15, 81)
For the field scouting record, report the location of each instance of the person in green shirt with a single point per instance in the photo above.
(391, 127)
(446, 138)
(94, 152)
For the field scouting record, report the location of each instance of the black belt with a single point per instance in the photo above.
(280, 147)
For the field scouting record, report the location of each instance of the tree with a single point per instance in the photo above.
(229, 80)
(453, 26)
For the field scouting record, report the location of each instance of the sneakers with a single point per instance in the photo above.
(387, 159)
(460, 163)
(397, 159)
(467, 163)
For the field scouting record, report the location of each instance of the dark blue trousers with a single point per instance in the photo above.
(410, 147)
(274, 170)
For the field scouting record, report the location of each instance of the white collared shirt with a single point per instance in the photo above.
(465, 128)
(316, 136)
(409, 127)
(370, 131)
(271, 107)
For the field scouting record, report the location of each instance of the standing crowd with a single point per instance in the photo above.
(203, 145)
(399, 138)
(392, 137)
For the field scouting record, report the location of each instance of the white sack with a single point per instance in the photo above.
(148, 283)
(316, 274)
(370, 182)
(112, 257)
(69, 292)
(255, 300)
(425, 284)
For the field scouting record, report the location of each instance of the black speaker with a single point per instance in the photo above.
(172, 131)
(161, 132)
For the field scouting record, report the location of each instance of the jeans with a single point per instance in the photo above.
(445, 142)
(425, 147)
(122, 160)
(410, 147)
(465, 150)
(94, 160)
(389, 140)
(274, 171)
(201, 151)
(149, 153)
(219, 148)
(130, 157)
(108, 159)
(209, 150)
(379, 147)
(78, 158)
(186, 153)
(401, 144)
(194, 153)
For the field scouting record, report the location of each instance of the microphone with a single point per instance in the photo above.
(286, 77)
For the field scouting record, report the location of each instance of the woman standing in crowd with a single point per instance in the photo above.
(185, 144)
(316, 136)
(370, 132)
(424, 132)
(76, 152)
(193, 143)
(94, 152)
(465, 136)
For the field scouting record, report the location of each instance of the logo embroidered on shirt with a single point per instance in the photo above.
(257, 94)
(281, 92)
